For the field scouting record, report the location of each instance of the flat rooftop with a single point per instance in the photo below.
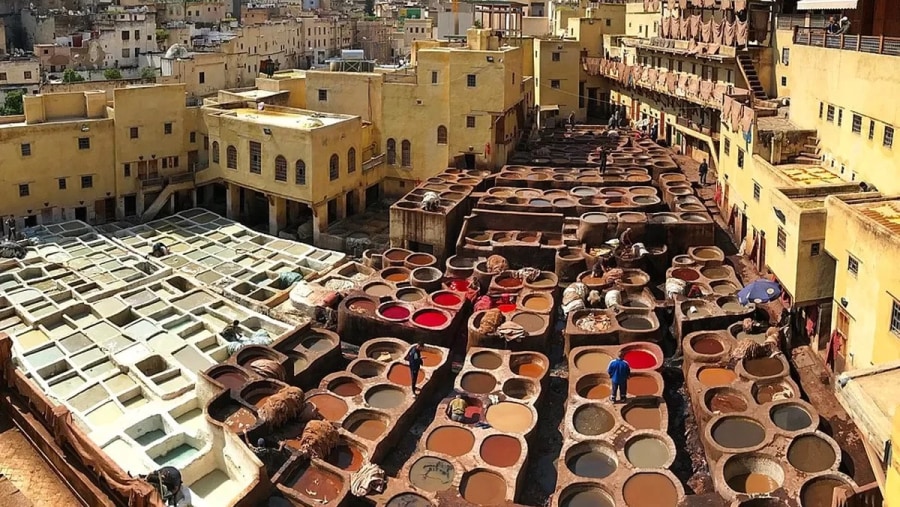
(885, 213)
(869, 396)
(297, 119)
(809, 175)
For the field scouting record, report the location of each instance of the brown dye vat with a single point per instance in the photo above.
(592, 464)
(764, 367)
(715, 377)
(738, 433)
(347, 388)
(819, 491)
(587, 498)
(726, 403)
(765, 393)
(650, 490)
(688, 275)
(331, 407)
(640, 385)
(420, 259)
(537, 303)
(791, 417)
(430, 358)
(726, 289)
(597, 391)
(636, 323)
(432, 474)
(753, 484)
(399, 374)
(369, 429)
(530, 322)
(643, 418)
(345, 457)
(364, 305)
(811, 454)
(397, 277)
(378, 290)
(531, 369)
(397, 254)
(714, 273)
(593, 361)
(486, 360)
(510, 417)
(501, 451)
(231, 379)
(240, 420)
(508, 282)
(483, 488)
(647, 452)
(478, 383)
(317, 484)
(591, 420)
(708, 346)
(450, 440)
(410, 295)
(409, 500)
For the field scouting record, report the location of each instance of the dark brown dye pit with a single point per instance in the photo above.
(592, 464)
(409, 500)
(369, 429)
(819, 492)
(650, 490)
(501, 450)
(483, 488)
(708, 346)
(478, 383)
(765, 393)
(346, 388)
(737, 433)
(791, 418)
(592, 420)
(317, 484)
(641, 385)
(764, 367)
(811, 454)
(331, 407)
(726, 403)
(532, 323)
(587, 498)
(486, 360)
(636, 323)
(345, 457)
(643, 418)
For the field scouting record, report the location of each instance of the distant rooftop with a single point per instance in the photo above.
(285, 117)
(885, 213)
(809, 175)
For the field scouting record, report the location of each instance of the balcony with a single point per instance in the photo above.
(679, 47)
(860, 43)
(373, 162)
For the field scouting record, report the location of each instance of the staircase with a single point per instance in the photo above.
(810, 154)
(174, 184)
(750, 75)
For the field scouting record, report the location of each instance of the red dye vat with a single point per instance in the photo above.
(507, 307)
(446, 299)
(395, 312)
(640, 359)
(430, 318)
(459, 284)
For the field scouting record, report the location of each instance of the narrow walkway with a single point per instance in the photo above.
(24, 469)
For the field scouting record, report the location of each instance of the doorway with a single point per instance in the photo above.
(350, 205)
(81, 213)
(130, 205)
(332, 211)
(373, 195)
(470, 160)
(843, 331)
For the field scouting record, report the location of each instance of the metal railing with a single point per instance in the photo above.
(373, 162)
(790, 21)
(817, 37)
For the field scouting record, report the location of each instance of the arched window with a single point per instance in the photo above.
(405, 156)
(351, 160)
(231, 157)
(334, 166)
(300, 173)
(215, 152)
(442, 134)
(280, 168)
(392, 152)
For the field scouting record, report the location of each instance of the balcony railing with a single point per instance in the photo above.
(789, 21)
(817, 37)
(373, 162)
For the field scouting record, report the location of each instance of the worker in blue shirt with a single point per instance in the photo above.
(619, 371)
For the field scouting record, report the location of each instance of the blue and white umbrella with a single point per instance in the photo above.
(760, 291)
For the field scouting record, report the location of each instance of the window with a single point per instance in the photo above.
(23, 190)
(441, 134)
(126, 170)
(133, 132)
(334, 167)
(470, 122)
(405, 153)
(2, 76)
(783, 80)
(857, 124)
(84, 143)
(434, 75)
(888, 136)
(300, 172)
(255, 157)
(786, 56)
(87, 182)
(27, 74)
(167, 128)
(231, 157)
(740, 158)
(323, 95)
(895, 317)
(871, 129)
(280, 168)
(25, 148)
(757, 190)
(830, 116)
(126, 52)
(470, 80)
(61, 183)
(554, 83)
(192, 137)
(137, 35)
(852, 265)
(608, 22)
(351, 160)
(727, 146)
(781, 240)
(555, 56)
(215, 152)
(202, 77)
(821, 109)
(840, 117)
(391, 152)
(815, 249)
(126, 35)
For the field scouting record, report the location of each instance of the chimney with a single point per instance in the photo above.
(236, 10)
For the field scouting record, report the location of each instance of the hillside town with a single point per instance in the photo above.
(408, 253)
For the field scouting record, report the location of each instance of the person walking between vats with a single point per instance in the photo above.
(704, 170)
(572, 121)
(457, 409)
(625, 240)
(11, 228)
(603, 156)
(414, 358)
(619, 371)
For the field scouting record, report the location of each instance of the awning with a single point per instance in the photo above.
(808, 5)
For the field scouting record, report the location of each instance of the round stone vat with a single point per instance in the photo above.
(345, 386)
(446, 299)
(410, 294)
(528, 365)
(643, 384)
(385, 350)
(642, 357)
(501, 450)
(532, 323)
(813, 453)
(395, 312)
(385, 397)
(486, 360)
(764, 367)
(256, 393)
(229, 375)
(793, 416)
(483, 487)
(683, 261)
(585, 495)
(418, 260)
(820, 490)
(364, 305)
(724, 400)
(545, 281)
(644, 414)
(378, 289)
(736, 330)
(331, 407)
(367, 368)
(510, 417)
(395, 274)
(395, 256)
(729, 303)
(592, 360)
(696, 309)
(736, 433)
(450, 440)
(651, 489)
(432, 474)
(478, 382)
(251, 353)
(765, 501)
(766, 391)
(716, 272)
(426, 277)
(401, 375)
(686, 274)
(507, 281)
(724, 287)
(592, 460)
(646, 449)
(634, 322)
(409, 500)
(712, 376)
(707, 254)
(704, 347)
(431, 318)
(460, 267)
(592, 419)
(520, 388)
(539, 302)
(753, 474)
(367, 424)
(347, 455)
(594, 386)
